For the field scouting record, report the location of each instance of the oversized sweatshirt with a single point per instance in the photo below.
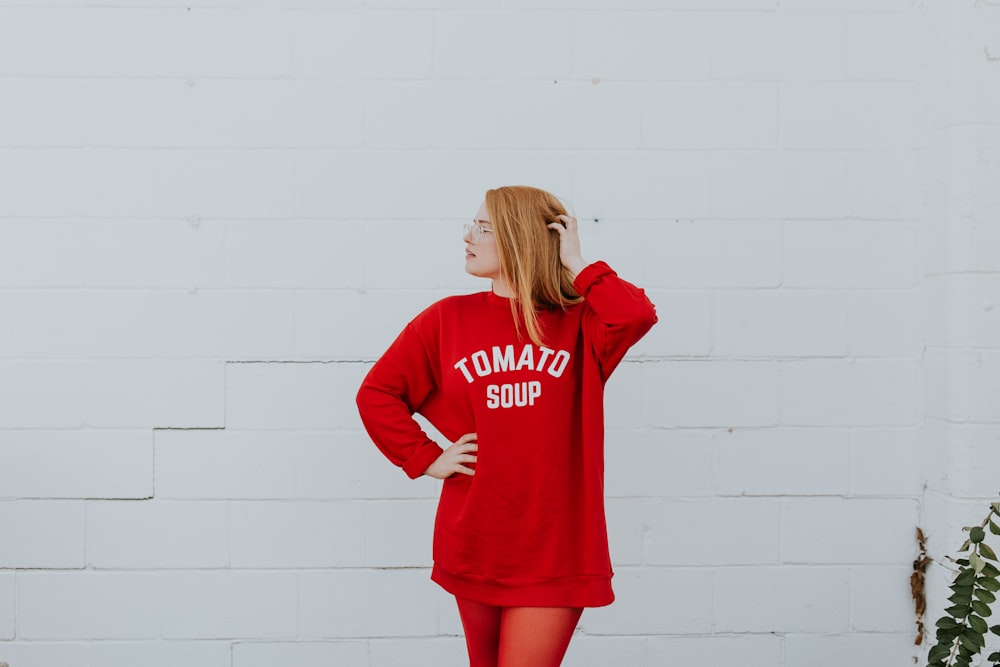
(528, 528)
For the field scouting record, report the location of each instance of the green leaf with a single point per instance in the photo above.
(994, 656)
(939, 652)
(995, 529)
(976, 639)
(958, 610)
(996, 507)
(981, 608)
(964, 562)
(991, 570)
(977, 534)
(961, 597)
(995, 629)
(978, 624)
(986, 551)
(946, 622)
(965, 545)
(986, 596)
(990, 584)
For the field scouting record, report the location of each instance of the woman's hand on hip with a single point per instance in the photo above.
(569, 243)
(451, 459)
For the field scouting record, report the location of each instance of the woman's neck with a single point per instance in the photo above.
(501, 288)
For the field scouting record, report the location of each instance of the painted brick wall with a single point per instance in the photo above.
(216, 214)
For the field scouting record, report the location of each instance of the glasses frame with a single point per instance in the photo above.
(476, 231)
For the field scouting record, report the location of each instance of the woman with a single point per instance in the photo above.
(514, 378)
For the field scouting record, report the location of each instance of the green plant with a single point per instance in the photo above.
(961, 632)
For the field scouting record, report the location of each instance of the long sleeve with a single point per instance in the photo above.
(622, 313)
(399, 383)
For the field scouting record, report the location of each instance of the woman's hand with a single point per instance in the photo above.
(451, 459)
(569, 243)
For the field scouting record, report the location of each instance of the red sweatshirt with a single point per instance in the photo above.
(529, 527)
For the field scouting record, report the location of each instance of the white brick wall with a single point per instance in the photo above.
(215, 214)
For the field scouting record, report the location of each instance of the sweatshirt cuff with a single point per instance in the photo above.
(416, 465)
(589, 275)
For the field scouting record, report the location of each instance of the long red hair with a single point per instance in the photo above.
(529, 252)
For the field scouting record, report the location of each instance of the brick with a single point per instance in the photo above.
(827, 6)
(684, 327)
(228, 604)
(376, 316)
(798, 185)
(642, 46)
(855, 393)
(853, 648)
(349, 465)
(694, 393)
(88, 605)
(740, 531)
(848, 115)
(82, 324)
(294, 254)
(658, 463)
(45, 253)
(439, 115)
(771, 323)
(44, 654)
(155, 534)
(42, 394)
(225, 464)
(625, 519)
(423, 651)
(160, 654)
(299, 653)
(398, 532)
(40, 463)
(880, 254)
(351, 185)
(753, 46)
(784, 462)
(366, 603)
(297, 535)
(662, 184)
(191, 254)
(305, 396)
(699, 115)
(886, 462)
(753, 650)
(440, 264)
(703, 255)
(475, 45)
(7, 604)
(603, 115)
(128, 183)
(241, 324)
(781, 599)
(622, 407)
(93, 39)
(884, 185)
(652, 601)
(585, 651)
(839, 530)
(881, 600)
(42, 534)
(352, 45)
(885, 323)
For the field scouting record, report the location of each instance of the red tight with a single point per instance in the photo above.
(516, 636)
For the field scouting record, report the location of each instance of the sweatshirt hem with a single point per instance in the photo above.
(572, 591)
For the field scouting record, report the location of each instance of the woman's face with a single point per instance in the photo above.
(482, 259)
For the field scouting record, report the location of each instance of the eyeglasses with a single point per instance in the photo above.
(476, 231)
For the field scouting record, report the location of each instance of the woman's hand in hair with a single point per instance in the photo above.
(569, 243)
(451, 459)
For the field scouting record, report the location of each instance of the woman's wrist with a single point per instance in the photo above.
(576, 265)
